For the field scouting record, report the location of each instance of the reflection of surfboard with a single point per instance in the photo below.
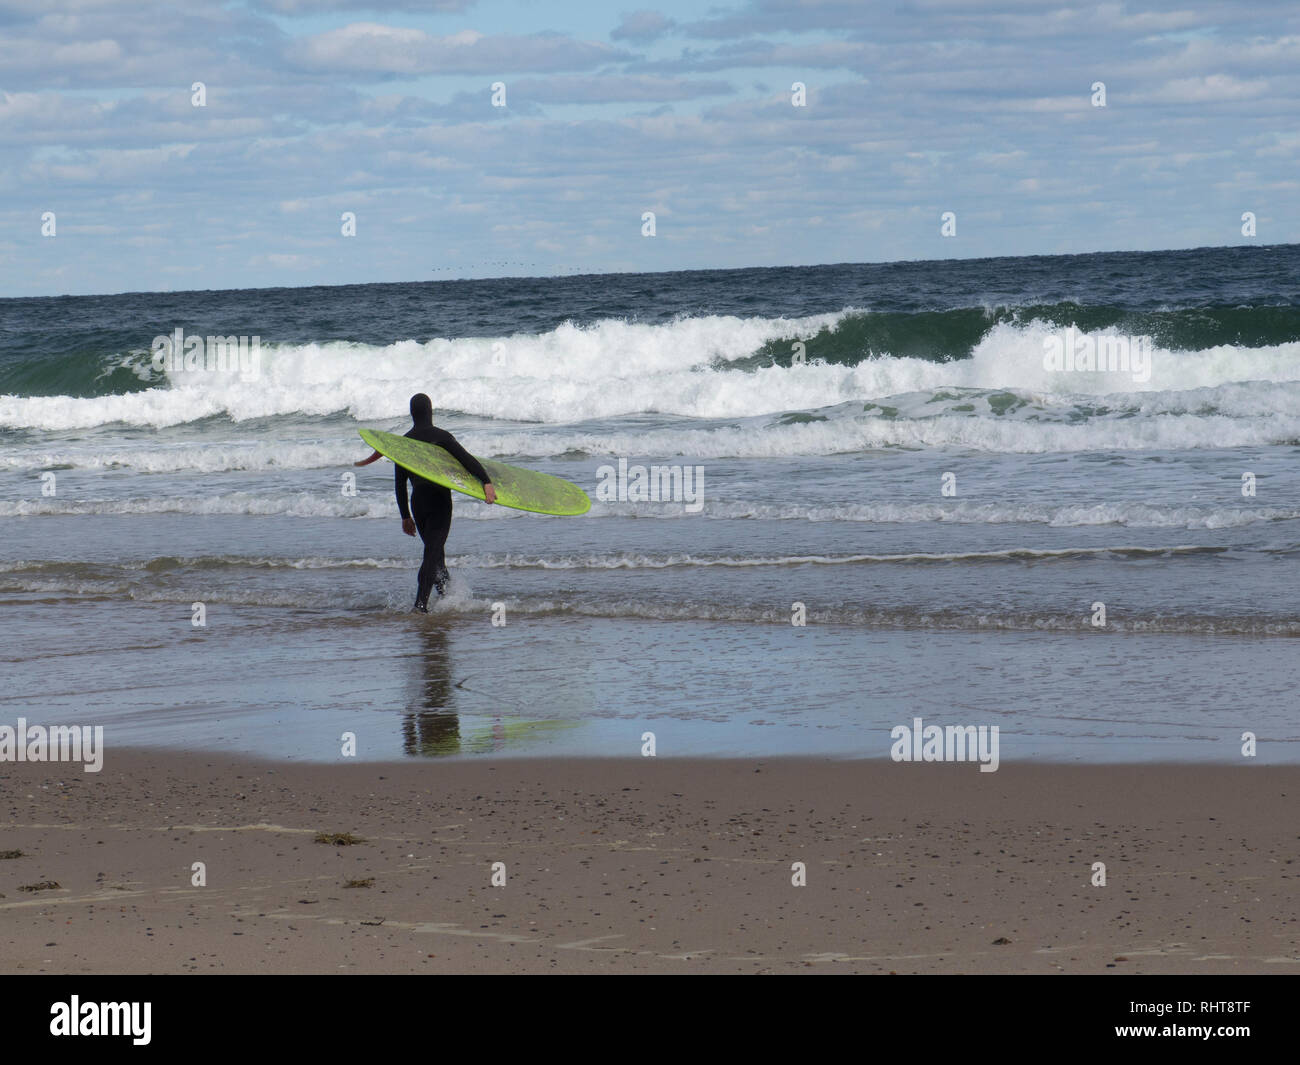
(517, 488)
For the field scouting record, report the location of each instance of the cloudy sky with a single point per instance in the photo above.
(913, 108)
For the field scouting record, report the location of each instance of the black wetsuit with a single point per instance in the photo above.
(431, 507)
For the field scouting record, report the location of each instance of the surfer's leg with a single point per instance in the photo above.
(433, 522)
(424, 579)
(435, 547)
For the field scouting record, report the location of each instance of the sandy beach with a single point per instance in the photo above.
(649, 865)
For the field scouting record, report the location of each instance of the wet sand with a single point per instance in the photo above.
(649, 865)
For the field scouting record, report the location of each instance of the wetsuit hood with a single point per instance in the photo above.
(421, 410)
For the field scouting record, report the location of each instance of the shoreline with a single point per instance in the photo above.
(647, 865)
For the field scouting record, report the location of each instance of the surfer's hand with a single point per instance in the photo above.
(490, 491)
(408, 526)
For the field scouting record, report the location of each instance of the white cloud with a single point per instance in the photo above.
(642, 88)
(378, 49)
(642, 26)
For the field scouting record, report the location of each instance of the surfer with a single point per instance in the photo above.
(431, 503)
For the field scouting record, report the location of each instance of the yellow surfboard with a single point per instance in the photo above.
(517, 488)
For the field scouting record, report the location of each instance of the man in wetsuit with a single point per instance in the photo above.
(429, 512)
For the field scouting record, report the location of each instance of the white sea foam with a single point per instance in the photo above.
(615, 368)
(380, 505)
(462, 600)
(642, 561)
(1229, 415)
(631, 560)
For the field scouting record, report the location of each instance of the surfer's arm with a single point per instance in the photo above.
(374, 456)
(450, 443)
(399, 481)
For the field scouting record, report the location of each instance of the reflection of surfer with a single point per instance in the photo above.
(431, 503)
(432, 727)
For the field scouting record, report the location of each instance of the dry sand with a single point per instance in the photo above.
(649, 865)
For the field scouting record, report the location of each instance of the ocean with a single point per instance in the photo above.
(1056, 495)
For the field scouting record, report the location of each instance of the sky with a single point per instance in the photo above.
(114, 180)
